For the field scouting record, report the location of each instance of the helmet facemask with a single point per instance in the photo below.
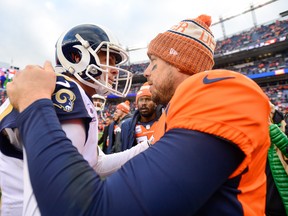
(91, 72)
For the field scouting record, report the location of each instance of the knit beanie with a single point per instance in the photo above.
(124, 106)
(188, 45)
(143, 91)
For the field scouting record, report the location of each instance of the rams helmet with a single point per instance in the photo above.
(77, 53)
(99, 102)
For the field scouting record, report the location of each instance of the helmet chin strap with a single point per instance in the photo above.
(99, 89)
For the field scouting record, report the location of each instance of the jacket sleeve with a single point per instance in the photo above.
(117, 144)
(126, 133)
(110, 138)
(118, 137)
(279, 139)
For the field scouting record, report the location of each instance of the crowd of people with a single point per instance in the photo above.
(254, 37)
(194, 139)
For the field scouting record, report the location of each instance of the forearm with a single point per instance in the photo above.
(108, 164)
(279, 139)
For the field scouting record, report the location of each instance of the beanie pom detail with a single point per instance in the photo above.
(206, 19)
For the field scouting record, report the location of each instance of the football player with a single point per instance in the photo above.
(88, 60)
(99, 104)
(141, 126)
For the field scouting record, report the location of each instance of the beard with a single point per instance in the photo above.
(147, 115)
(162, 94)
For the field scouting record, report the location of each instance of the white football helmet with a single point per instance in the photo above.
(99, 102)
(86, 41)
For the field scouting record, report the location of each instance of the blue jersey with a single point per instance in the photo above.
(70, 102)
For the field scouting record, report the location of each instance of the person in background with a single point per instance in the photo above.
(99, 104)
(209, 151)
(104, 138)
(276, 170)
(123, 113)
(112, 130)
(278, 117)
(140, 127)
(286, 120)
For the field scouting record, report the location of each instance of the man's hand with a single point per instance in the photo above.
(31, 84)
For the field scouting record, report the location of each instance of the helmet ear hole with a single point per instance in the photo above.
(76, 57)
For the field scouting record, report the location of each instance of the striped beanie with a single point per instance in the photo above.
(144, 91)
(188, 45)
(124, 106)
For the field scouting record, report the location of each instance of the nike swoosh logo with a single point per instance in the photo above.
(206, 80)
(65, 84)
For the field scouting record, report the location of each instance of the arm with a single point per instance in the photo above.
(279, 139)
(108, 164)
(64, 183)
(283, 125)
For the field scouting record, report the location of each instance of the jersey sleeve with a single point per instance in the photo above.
(68, 100)
(7, 115)
(9, 142)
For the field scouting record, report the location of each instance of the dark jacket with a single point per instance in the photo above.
(110, 137)
(128, 131)
(117, 141)
(277, 197)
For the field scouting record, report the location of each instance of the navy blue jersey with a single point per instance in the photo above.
(70, 102)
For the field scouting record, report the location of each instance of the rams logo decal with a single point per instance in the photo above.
(64, 99)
